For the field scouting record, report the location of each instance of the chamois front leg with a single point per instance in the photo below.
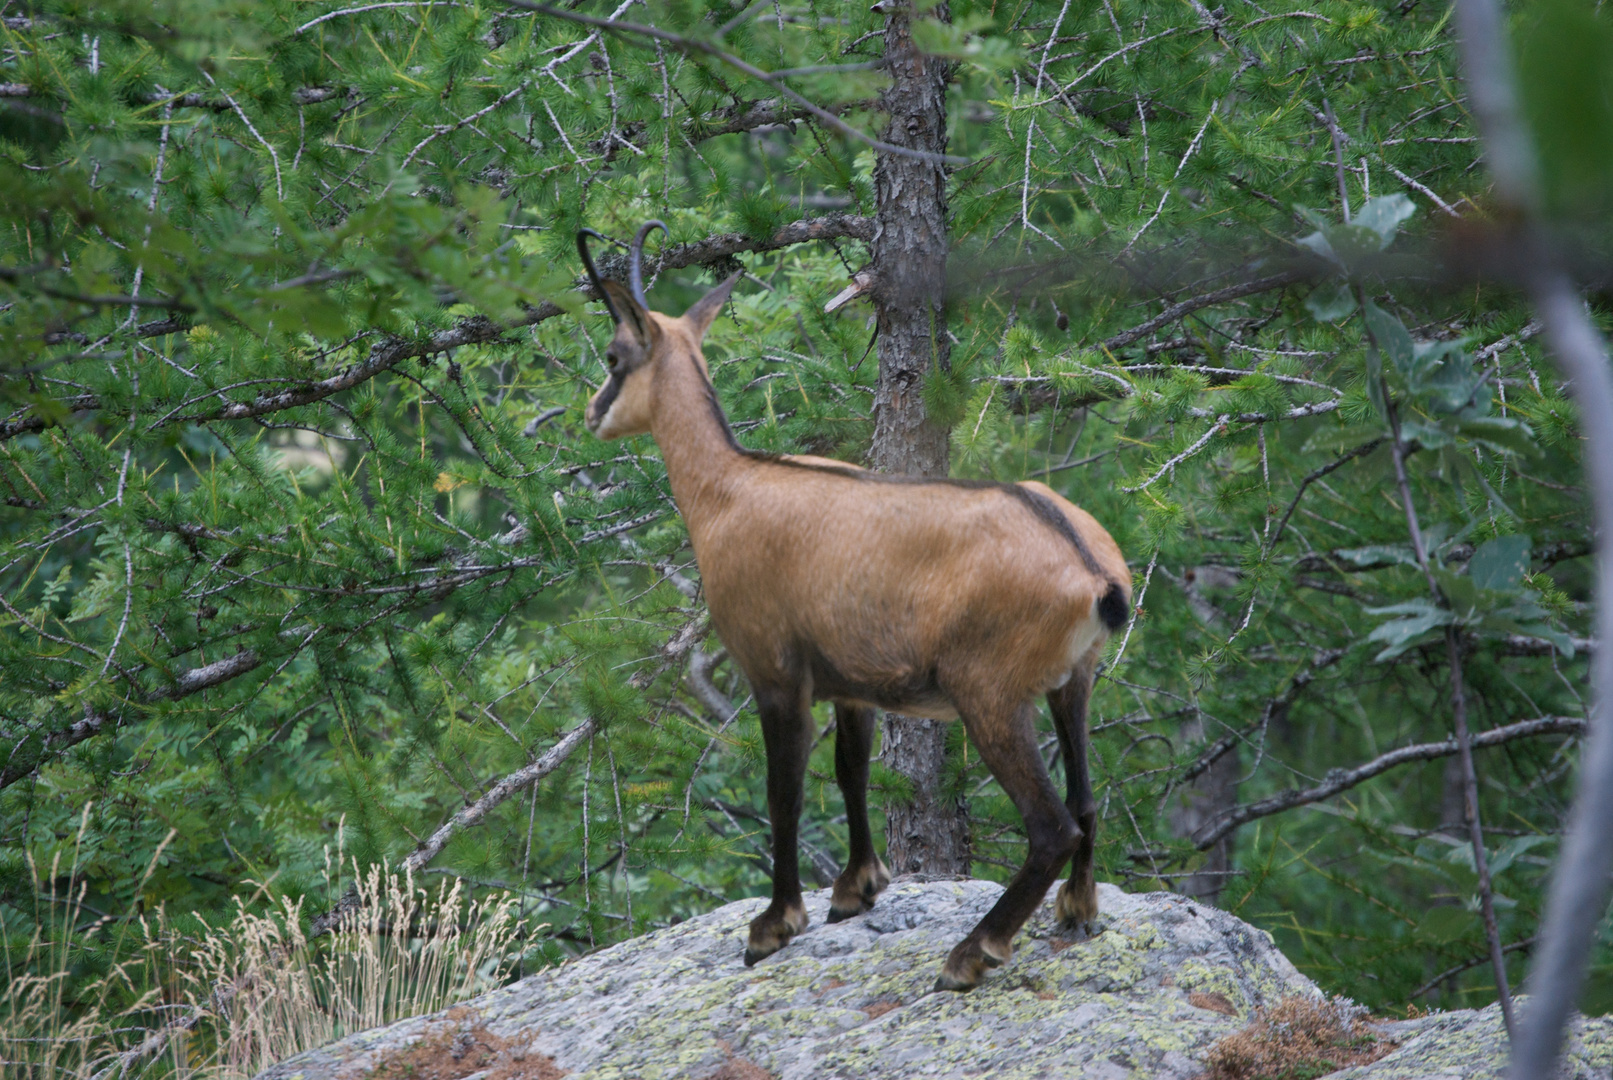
(1078, 900)
(865, 875)
(1006, 739)
(787, 735)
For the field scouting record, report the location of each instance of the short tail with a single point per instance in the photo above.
(1114, 607)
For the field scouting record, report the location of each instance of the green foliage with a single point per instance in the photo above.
(1566, 64)
(299, 520)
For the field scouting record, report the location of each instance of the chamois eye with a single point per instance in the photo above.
(611, 361)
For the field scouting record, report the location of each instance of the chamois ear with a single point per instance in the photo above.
(633, 315)
(704, 310)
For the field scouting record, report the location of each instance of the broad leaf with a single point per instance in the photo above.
(1429, 436)
(1317, 242)
(1503, 434)
(1383, 216)
(1401, 634)
(1500, 563)
(1330, 303)
(1391, 337)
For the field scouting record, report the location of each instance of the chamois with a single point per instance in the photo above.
(937, 598)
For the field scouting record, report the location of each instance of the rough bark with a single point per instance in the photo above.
(930, 834)
(910, 255)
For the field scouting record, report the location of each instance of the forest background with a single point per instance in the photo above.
(303, 546)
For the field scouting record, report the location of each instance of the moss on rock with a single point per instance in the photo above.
(855, 1000)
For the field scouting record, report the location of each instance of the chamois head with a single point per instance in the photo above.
(644, 341)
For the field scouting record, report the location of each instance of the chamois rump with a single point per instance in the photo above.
(939, 598)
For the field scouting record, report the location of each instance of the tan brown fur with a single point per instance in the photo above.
(934, 598)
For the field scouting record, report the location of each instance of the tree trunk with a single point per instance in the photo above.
(910, 254)
(930, 834)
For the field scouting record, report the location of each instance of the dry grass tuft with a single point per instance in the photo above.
(1297, 1039)
(407, 951)
(229, 1002)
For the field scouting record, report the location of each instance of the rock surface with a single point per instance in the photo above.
(1161, 980)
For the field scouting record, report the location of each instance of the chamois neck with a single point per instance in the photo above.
(688, 425)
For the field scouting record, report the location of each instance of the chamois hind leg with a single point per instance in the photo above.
(1078, 899)
(787, 735)
(1006, 740)
(865, 874)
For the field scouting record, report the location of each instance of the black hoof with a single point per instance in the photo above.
(751, 956)
(839, 915)
(947, 982)
(1082, 929)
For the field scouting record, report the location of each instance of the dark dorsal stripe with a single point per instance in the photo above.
(1034, 501)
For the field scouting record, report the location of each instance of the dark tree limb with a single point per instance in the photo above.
(94, 723)
(1274, 707)
(1526, 943)
(1316, 474)
(307, 95)
(1192, 304)
(1338, 780)
(473, 330)
(727, 120)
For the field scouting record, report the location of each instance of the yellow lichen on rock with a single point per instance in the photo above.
(854, 1000)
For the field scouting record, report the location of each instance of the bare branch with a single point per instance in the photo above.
(1338, 780)
(1219, 296)
(518, 781)
(94, 723)
(473, 330)
(1220, 425)
(311, 23)
(700, 684)
(689, 45)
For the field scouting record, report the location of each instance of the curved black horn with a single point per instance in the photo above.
(593, 274)
(635, 260)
